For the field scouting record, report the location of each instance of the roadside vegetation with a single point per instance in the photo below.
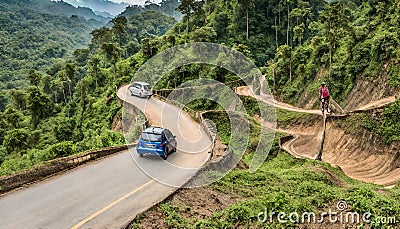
(74, 99)
(383, 123)
(282, 184)
(70, 106)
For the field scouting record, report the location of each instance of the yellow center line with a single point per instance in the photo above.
(110, 206)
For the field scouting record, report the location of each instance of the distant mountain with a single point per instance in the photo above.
(37, 33)
(61, 8)
(166, 7)
(104, 14)
(100, 6)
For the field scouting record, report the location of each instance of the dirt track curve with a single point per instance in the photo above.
(363, 160)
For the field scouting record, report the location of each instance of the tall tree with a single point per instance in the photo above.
(70, 69)
(16, 140)
(272, 68)
(247, 4)
(288, 22)
(38, 104)
(93, 65)
(118, 28)
(112, 53)
(34, 78)
(13, 117)
(188, 8)
(101, 35)
(275, 27)
(299, 32)
(18, 99)
(285, 52)
(335, 19)
(63, 78)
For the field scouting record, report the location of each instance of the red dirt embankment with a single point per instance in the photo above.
(361, 154)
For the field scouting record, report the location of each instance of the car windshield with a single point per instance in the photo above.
(147, 87)
(150, 137)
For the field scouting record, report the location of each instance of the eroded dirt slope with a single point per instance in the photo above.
(359, 153)
(369, 89)
(362, 155)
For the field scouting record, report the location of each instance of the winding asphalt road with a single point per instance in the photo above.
(108, 193)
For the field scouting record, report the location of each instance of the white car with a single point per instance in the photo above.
(140, 89)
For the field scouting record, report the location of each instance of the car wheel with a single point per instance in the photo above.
(140, 94)
(165, 154)
(131, 93)
(140, 155)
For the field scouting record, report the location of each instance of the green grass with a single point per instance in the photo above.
(286, 184)
(287, 118)
(283, 184)
(383, 124)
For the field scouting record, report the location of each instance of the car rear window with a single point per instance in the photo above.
(151, 137)
(147, 87)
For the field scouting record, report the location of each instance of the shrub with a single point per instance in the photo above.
(16, 140)
(62, 149)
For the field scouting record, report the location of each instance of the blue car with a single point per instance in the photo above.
(156, 141)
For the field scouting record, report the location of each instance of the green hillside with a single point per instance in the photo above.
(103, 6)
(71, 106)
(74, 90)
(38, 33)
(62, 8)
(351, 40)
(165, 7)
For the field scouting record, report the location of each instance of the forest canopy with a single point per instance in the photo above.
(70, 101)
(35, 34)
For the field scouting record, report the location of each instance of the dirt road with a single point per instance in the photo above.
(357, 157)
